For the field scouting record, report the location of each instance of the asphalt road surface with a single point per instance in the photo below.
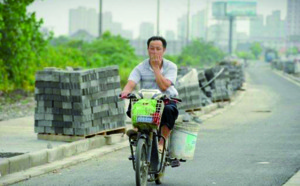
(255, 142)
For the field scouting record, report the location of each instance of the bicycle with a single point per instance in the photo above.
(147, 160)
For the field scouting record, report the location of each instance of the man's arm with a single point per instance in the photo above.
(128, 88)
(161, 81)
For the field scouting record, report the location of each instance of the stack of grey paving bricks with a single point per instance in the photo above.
(222, 87)
(205, 90)
(190, 95)
(78, 103)
(236, 75)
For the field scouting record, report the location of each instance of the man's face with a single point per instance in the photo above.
(156, 49)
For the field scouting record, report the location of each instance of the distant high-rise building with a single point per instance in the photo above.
(108, 24)
(275, 27)
(83, 19)
(182, 28)
(115, 28)
(128, 34)
(146, 30)
(170, 35)
(293, 18)
(198, 25)
(257, 27)
(219, 34)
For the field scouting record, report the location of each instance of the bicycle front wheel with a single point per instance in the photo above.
(141, 169)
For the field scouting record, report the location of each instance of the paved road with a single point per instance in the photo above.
(255, 142)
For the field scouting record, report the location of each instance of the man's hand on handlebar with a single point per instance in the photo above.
(124, 94)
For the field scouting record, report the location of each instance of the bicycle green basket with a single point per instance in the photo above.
(146, 113)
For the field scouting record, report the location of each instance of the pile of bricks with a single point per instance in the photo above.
(190, 95)
(222, 86)
(236, 75)
(78, 102)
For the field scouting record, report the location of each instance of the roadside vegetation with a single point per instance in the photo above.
(25, 50)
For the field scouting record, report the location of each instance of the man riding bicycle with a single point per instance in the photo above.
(156, 73)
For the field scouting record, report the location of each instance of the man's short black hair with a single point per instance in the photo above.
(155, 38)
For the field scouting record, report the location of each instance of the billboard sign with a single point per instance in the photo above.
(241, 8)
(224, 9)
(219, 9)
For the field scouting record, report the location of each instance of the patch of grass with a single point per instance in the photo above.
(24, 102)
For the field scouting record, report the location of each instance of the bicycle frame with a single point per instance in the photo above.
(152, 144)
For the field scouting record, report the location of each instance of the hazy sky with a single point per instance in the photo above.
(132, 12)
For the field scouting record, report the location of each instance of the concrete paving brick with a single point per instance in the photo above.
(39, 90)
(49, 130)
(19, 163)
(80, 131)
(56, 91)
(103, 107)
(84, 118)
(58, 130)
(67, 118)
(77, 106)
(117, 91)
(57, 104)
(55, 154)
(38, 158)
(58, 117)
(76, 92)
(48, 91)
(65, 92)
(121, 104)
(49, 117)
(94, 83)
(44, 123)
(4, 167)
(40, 103)
(66, 105)
(38, 116)
(39, 129)
(65, 77)
(113, 111)
(68, 131)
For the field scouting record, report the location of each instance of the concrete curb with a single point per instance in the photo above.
(44, 161)
(46, 168)
(294, 181)
(33, 159)
(288, 77)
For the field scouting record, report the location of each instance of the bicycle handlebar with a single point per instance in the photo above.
(164, 98)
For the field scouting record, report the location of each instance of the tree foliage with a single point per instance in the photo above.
(25, 50)
(200, 53)
(20, 43)
(245, 55)
(256, 49)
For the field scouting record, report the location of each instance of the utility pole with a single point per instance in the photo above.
(100, 19)
(188, 23)
(157, 21)
(231, 19)
(206, 20)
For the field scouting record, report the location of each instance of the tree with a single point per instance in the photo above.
(245, 55)
(20, 42)
(200, 53)
(256, 49)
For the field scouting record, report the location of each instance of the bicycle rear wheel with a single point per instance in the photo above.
(160, 176)
(141, 169)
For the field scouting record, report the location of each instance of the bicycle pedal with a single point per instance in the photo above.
(181, 160)
(131, 157)
(175, 163)
(133, 143)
